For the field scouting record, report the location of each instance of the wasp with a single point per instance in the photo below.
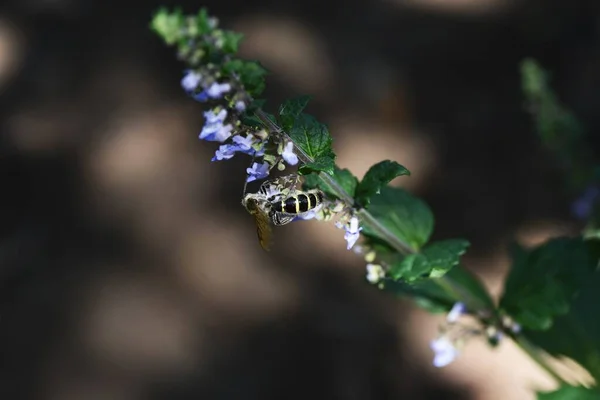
(278, 202)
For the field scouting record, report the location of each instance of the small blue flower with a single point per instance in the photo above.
(288, 154)
(213, 129)
(352, 232)
(225, 152)
(248, 145)
(240, 106)
(457, 310)
(201, 97)
(244, 143)
(216, 132)
(216, 90)
(444, 351)
(582, 207)
(212, 117)
(190, 81)
(257, 171)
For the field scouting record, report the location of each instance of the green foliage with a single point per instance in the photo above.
(577, 334)
(315, 141)
(434, 260)
(231, 41)
(377, 177)
(558, 128)
(342, 176)
(290, 110)
(250, 73)
(404, 215)
(544, 280)
(168, 25)
(570, 393)
(438, 295)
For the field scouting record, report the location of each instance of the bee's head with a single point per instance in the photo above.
(254, 202)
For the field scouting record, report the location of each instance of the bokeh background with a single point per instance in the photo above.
(128, 268)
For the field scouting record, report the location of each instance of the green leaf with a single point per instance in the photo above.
(577, 334)
(202, 22)
(434, 260)
(570, 393)
(231, 41)
(438, 295)
(404, 215)
(377, 177)
(543, 281)
(314, 139)
(251, 74)
(290, 110)
(168, 25)
(325, 163)
(342, 176)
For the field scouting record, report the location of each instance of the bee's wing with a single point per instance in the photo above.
(263, 230)
(279, 219)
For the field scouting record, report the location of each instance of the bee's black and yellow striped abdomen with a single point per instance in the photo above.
(299, 203)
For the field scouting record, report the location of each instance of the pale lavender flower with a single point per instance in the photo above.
(225, 152)
(288, 154)
(240, 106)
(190, 81)
(216, 132)
(216, 90)
(444, 351)
(257, 171)
(213, 129)
(248, 145)
(457, 310)
(352, 232)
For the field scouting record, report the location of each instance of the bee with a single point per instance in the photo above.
(277, 203)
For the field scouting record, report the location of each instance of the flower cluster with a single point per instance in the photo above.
(223, 125)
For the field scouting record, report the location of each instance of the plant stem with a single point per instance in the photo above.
(367, 219)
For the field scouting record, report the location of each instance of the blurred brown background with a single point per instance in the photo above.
(128, 268)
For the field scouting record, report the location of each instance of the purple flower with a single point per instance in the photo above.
(288, 154)
(240, 106)
(248, 145)
(444, 351)
(257, 171)
(225, 152)
(216, 90)
(213, 129)
(190, 81)
(457, 310)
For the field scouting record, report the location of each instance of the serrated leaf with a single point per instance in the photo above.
(543, 281)
(325, 163)
(168, 25)
(434, 260)
(404, 215)
(342, 176)
(290, 110)
(570, 393)
(314, 139)
(231, 41)
(377, 177)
